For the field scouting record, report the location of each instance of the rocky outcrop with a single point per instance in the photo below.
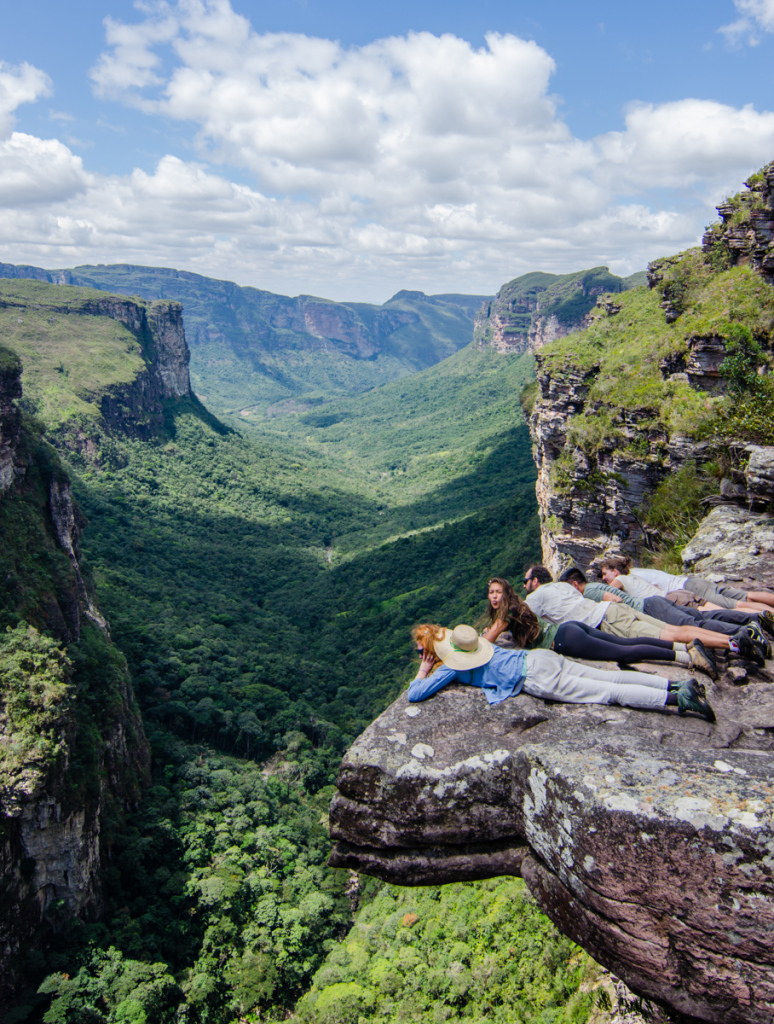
(745, 233)
(588, 500)
(68, 524)
(647, 838)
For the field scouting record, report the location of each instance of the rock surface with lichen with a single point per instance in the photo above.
(646, 837)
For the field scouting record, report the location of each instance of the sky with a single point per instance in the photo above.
(346, 150)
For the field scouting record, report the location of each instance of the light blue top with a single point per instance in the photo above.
(502, 676)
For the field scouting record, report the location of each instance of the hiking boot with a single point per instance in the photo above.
(690, 699)
(755, 633)
(701, 659)
(749, 649)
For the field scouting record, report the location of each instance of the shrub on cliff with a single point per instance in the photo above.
(34, 695)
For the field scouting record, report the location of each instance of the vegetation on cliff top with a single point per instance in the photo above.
(635, 347)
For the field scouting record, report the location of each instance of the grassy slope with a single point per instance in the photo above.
(629, 346)
(68, 355)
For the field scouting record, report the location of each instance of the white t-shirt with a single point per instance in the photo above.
(635, 587)
(559, 602)
(660, 579)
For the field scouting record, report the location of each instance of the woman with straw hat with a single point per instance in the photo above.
(461, 655)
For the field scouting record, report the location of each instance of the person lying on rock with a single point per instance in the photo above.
(713, 594)
(561, 602)
(461, 655)
(742, 626)
(512, 623)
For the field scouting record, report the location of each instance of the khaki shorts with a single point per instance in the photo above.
(621, 620)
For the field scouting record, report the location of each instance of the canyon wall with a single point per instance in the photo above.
(52, 804)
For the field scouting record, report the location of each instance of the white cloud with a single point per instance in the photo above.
(37, 171)
(416, 161)
(756, 16)
(22, 84)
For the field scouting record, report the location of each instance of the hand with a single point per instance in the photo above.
(428, 660)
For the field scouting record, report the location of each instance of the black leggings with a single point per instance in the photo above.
(577, 640)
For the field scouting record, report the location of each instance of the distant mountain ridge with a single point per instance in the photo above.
(253, 348)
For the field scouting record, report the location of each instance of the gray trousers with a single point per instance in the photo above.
(553, 677)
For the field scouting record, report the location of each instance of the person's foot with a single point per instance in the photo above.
(701, 659)
(749, 649)
(766, 620)
(689, 698)
(755, 633)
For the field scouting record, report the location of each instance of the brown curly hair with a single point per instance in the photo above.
(522, 621)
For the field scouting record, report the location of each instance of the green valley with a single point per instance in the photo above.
(260, 578)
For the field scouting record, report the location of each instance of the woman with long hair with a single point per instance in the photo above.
(461, 655)
(507, 613)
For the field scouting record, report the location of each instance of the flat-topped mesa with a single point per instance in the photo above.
(158, 326)
(646, 837)
(535, 309)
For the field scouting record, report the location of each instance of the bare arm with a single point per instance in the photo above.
(498, 626)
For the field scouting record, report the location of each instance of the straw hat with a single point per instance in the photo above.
(462, 648)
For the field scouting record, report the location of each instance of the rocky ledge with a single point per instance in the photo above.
(646, 837)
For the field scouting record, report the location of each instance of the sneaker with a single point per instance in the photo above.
(749, 649)
(701, 659)
(766, 620)
(753, 630)
(689, 698)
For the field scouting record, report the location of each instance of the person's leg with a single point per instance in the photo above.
(577, 640)
(554, 678)
(684, 635)
(710, 592)
(674, 615)
(729, 615)
(760, 597)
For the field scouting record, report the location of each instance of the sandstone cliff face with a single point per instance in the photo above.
(588, 502)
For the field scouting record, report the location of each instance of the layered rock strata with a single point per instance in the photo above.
(647, 838)
(746, 229)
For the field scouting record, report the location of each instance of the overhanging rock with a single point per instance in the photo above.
(647, 838)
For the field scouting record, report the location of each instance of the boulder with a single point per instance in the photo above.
(646, 837)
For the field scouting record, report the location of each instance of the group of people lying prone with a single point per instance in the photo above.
(632, 615)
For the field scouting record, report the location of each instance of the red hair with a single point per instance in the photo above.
(426, 634)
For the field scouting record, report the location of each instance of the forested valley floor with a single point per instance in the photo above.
(261, 579)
